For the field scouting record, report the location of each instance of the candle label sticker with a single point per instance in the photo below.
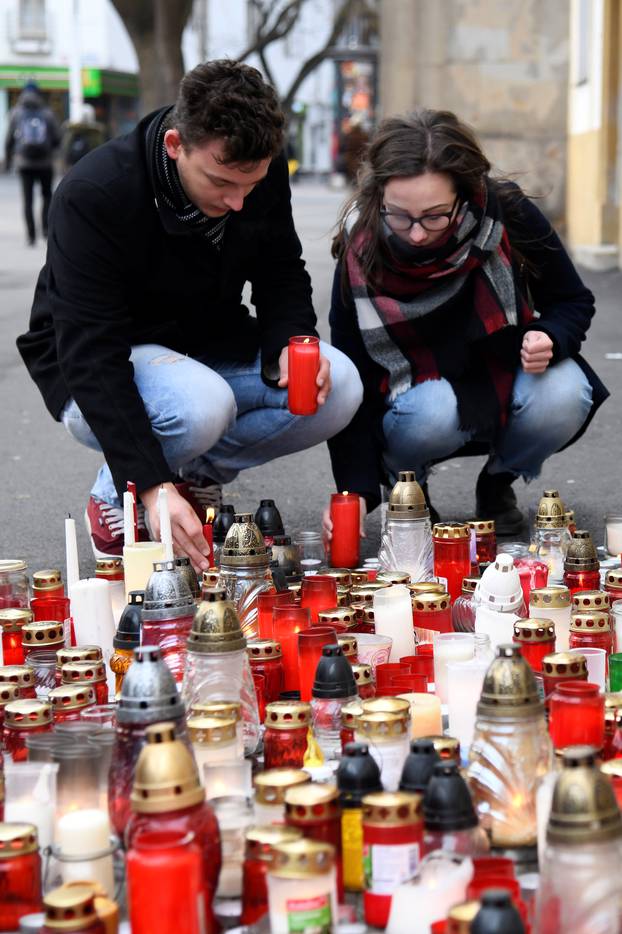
(443, 581)
(309, 914)
(386, 867)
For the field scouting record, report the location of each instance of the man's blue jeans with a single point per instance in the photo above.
(214, 419)
(547, 410)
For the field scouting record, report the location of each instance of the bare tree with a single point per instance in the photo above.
(156, 28)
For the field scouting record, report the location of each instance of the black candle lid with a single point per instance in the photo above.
(497, 915)
(128, 631)
(334, 676)
(447, 804)
(225, 517)
(268, 518)
(357, 775)
(419, 766)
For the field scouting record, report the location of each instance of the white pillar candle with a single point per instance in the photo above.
(465, 681)
(138, 561)
(425, 715)
(450, 647)
(394, 617)
(71, 554)
(92, 615)
(596, 665)
(166, 535)
(85, 834)
(499, 627)
(613, 535)
(559, 616)
(416, 905)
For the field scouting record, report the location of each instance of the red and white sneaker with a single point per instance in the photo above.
(104, 523)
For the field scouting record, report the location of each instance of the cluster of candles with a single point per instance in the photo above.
(309, 750)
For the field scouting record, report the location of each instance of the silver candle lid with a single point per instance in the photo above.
(167, 595)
(149, 693)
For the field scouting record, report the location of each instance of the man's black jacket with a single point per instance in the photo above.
(121, 270)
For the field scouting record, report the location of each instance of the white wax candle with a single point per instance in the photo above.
(31, 796)
(416, 905)
(465, 681)
(138, 561)
(129, 534)
(228, 778)
(596, 665)
(166, 535)
(71, 555)
(498, 626)
(394, 617)
(425, 715)
(85, 833)
(450, 647)
(92, 615)
(613, 535)
(560, 617)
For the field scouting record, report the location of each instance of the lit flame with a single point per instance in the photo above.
(345, 493)
(210, 515)
(307, 340)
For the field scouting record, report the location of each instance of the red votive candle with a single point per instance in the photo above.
(287, 622)
(303, 364)
(582, 580)
(536, 638)
(11, 622)
(577, 715)
(318, 592)
(452, 555)
(266, 601)
(345, 513)
(386, 671)
(310, 645)
(164, 882)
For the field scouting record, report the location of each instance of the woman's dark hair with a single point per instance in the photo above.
(423, 141)
(230, 101)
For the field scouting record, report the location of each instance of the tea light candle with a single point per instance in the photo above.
(303, 364)
(425, 715)
(85, 833)
(345, 513)
(450, 647)
(393, 618)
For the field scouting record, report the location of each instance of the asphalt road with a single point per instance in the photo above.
(45, 475)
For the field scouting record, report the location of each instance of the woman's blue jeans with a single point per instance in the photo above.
(547, 410)
(214, 419)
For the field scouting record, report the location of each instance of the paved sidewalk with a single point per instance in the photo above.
(45, 475)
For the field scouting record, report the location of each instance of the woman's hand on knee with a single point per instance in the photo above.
(323, 375)
(327, 523)
(536, 352)
(185, 525)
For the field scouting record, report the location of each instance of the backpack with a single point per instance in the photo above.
(32, 135)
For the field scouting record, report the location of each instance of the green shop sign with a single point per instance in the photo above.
(95, 81)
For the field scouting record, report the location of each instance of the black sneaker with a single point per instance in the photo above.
(495, 499)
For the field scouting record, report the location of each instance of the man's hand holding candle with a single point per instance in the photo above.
(185, 525)
(323, 376)
(327, 522)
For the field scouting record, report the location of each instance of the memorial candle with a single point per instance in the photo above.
(345, 514)
(208, 532)
(393, 614)
(303, 364)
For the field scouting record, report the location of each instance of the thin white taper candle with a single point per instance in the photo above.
(128, 518)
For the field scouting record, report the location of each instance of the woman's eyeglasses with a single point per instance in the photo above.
(401, 221)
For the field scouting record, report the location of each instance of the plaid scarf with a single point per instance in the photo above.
(452, 311)
(169, 189)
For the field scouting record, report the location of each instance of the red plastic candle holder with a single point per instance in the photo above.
(345, 512)
(20, 884)
(303, 364)
(420, 665)
(266, 602)
(409, 683)
(287, 622)
(318, 592)
(577, 715)
(310, 644)
(582, 580)
(452, 556)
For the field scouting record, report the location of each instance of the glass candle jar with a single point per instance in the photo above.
(20, 675)
(536, 638)
(431, 615)
(43, 664)
(14, 586)
(392, 849)
(163, 874)
(285, 739)
(312, 553)
(47, 583)
(577, 715)
(311, 643)
(450, 647)
(463, 609)
(22, 718)
(318, 592)
(393, 619)
(452, 555)
(69, 700)
(257, 858)
(12, 621)
(553, 603)
(485, 540)
(170, 635)
(270, 788)
(314, 810)
(364, 678)
(92, 673)
(20, 873)
(576, 581)
(388, 736)
(560, 667)
(287, 622)
(592, 630)
(302, 894)
(266, 601)
(533, 573)
(266, 659)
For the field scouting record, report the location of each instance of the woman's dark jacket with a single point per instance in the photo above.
(563, 302)
(122, 270)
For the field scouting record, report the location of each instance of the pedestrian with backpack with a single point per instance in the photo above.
(32, 137)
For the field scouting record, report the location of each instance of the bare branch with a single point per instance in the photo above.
(281, 27)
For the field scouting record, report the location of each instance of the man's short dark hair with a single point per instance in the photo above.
(230, 101)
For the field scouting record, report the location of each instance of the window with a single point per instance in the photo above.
(583, 41)
(31, 18)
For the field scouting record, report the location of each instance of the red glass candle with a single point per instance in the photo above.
(314, 809)
(432, 614)
(410, 683)
(257, 857)
(22, 718)
(171, 635)
(536, 638)
(11, 622)
(303, 364)
(533, 574)
(310, 645)
(285, 739)
(48, 583)
(345, 513)
(485, 540)
(592, 630)
(452, 556)
(581, 580)
(266, 602)
(20, 874)
(21, 675)
(93, 673)
(423, 662)
(577, 715)
(69, 700)
(287, 622)
(265, 658)
(318, 592)
(386, 671)
(164, 882)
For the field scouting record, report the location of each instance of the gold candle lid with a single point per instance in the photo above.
(78, 653)
(21, 675)
(362, 675)
(343, 576)
(555, 597)
(381, 726)
(581, 554)
(223, 709)
(419, 587)
(551, 511)
(42, 632)
(567, 664)
(244, 544)
(71, 697)
(590, 622)
(83, 672)
(270, 786)
(591, 600)
(407, 500)
(395, 705)
(17, 839)
(364, 593)
(392, 808)
(9, 565)
(351, 712)
(469, 584)
(584, 808)
(27, 714)
(482, 526)
(359, 576)
(569, 517)
(260, 649)
(349, 645)
(288, 715)
(312, 802)
(216, 626)
(210, 578)
(363, 612)
(260, 840)
(211, 731)
(393, 577)
(301, 859)
(13, 619)
(531, 631)
(108, 567)
(8, 694)
(337, 614)
(447, 747)
(613, 577)
(509, 689)
(48, 579)
(461, 916)
(166, 776)
(430, 602)
(451, 531)
(70, 907)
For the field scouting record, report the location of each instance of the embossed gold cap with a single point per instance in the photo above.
(224, 709)
(591, 622)
(8, 694)
(350, 713)
(430, 602)
(343, 576)
(451, 531)
(349, 645)
(551, 511)
(363, 613)
(447, 747)
(211, 731)
(584, 600)
(392, 809)
(27, 714)
(78, 653)
(21, 675)
(108, 567)
(362, 675)
(469, 584)
(83, 672)
(381, 726)
(71, 697)
(311, 802)
(395, 705)
(564, 664)
(364, 593)
(244, 545)
(261, 839)
(482, 526)
(406, 500)
(166, 776)
(301, 859)
(17, 839)
(584, 808)
(509, 690)
(359, 576)
(216, 626)
(556, 596)
(270, 786)
(418, 587)
(581, 554)
(613, 578)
